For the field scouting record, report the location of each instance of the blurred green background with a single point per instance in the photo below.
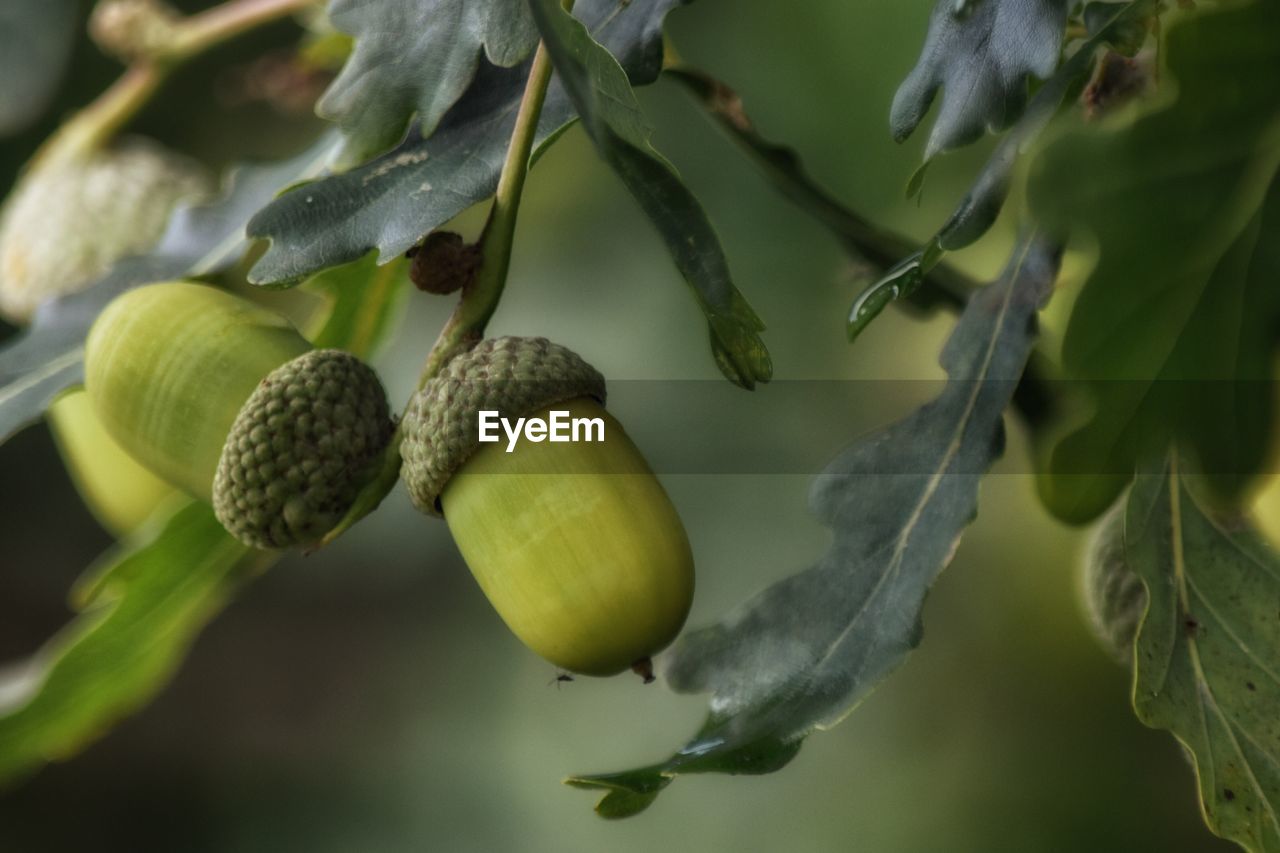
(366, 698)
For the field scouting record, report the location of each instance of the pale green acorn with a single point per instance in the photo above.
(1115, 598)
(227, 401)
(72, 215)
(119, 492)
(576, 544)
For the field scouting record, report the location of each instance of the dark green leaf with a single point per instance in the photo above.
(612, 117)
(36, 37)
(142, 608)
(415, 57)
(1173, 332)
(46, 358)
(980, 206)
(1208, 651)
(389, 203)
(801, 654)
(980, 54)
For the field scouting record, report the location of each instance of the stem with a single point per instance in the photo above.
(882, 248)
(480, 297)
(205, 30)
(94, 125)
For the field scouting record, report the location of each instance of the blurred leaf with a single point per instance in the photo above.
(980, 53)
(415, 57)
(982, 203)
(800, 655)
(612, 117)
(1208, 651)
(366, 303)
(389, 203)
(46, 358)
(1174, 330)
(36, 37)
(144, 607)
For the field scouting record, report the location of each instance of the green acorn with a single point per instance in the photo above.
(119, 492)
(72, 215)
(576, 544)
(1115, 598)
(227, 401)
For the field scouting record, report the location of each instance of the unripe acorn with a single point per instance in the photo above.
(576, 544)
(71, 216)
(1115, 598)
(120, 492)
(227, 401)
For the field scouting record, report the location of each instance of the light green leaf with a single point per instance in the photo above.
(1173, 332)
(801, 654)
(602, 95)
(1208, 651)
(365, 305)
(143, 607)
(415, 57)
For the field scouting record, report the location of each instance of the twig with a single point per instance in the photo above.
(479, 297)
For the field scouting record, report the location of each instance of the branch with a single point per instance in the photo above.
(183, 39)
(943, 286)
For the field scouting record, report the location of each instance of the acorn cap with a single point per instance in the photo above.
(300, 450)
(1115, 597)
(69, 219)
(514, 376)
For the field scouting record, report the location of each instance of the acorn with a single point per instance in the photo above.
(1115, 598)
(72, 215)
(575, 543)
(228, 401)
(118, 490)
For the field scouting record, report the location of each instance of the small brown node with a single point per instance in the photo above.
(443, 263)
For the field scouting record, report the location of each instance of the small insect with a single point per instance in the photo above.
(561, 678)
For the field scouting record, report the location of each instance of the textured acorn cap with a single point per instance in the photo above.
(514, 376)
(69, 219)
(300, 450)
(1114, 596)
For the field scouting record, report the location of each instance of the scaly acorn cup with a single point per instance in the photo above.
(1115, 598)
(227, 401)
(576, 544)
(72, 215)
